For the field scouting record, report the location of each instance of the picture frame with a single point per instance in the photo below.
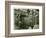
(10, 5)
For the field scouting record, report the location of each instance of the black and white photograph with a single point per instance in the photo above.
(26, 19)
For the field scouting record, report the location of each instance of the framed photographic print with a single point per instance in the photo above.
(24, 18)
